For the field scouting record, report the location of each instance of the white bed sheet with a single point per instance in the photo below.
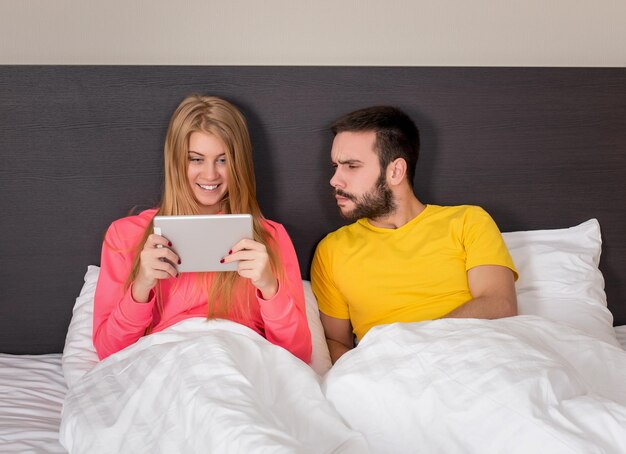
(32, 390)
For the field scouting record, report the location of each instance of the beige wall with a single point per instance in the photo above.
(322, 32)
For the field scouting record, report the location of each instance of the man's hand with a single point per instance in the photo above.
(339, 335)
(493, 291)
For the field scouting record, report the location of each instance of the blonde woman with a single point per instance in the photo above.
(208, 170)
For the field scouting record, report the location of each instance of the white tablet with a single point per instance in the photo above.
(201, 241)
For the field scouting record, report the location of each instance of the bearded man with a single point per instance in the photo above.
(401, 260)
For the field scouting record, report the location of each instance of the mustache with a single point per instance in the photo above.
(341, 193)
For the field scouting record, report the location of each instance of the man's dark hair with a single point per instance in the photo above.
(396, 134)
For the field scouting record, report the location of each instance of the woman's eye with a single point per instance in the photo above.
(221, 160)
(195, 160)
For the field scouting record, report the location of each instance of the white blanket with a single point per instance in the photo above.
(517, 385)
(206, 387)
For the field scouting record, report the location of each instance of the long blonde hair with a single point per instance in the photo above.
(220, 118)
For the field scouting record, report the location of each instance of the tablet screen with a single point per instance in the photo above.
(201, 241)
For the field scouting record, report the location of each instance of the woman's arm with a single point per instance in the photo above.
(118, 320)
(284, 314)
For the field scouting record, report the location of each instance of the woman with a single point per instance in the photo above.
(208, 170)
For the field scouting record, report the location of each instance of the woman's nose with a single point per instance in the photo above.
(208, 171)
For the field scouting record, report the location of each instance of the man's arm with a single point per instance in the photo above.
(339, 335)
(493, 291)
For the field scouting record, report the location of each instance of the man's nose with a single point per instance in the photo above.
(336, 181)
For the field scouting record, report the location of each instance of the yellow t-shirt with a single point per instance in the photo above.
(375, 276)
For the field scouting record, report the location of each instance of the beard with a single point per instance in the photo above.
(373, 204)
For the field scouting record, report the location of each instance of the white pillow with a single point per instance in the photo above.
(320, 356)
(79, 354)
(559, 277)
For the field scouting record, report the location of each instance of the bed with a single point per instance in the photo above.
(542, 149)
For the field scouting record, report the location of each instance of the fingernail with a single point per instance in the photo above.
(179, 262)
(222, 261)
(230, 252)
(169, 243)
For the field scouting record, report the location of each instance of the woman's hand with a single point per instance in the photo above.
(254, 264)
(156, 261)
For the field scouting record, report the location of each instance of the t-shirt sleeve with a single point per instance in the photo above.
(483, 241)
(329, 299)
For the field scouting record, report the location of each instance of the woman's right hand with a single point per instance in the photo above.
(156, 261)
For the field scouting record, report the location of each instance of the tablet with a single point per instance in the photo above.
(201, 241)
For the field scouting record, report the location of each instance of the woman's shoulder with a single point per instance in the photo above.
(129, 227)
(273, 227)
(277, 230)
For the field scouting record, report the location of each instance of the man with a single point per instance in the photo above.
(402, 260)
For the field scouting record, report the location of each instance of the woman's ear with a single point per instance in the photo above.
(396, 172)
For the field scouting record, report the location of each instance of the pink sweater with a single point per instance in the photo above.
(119, 321)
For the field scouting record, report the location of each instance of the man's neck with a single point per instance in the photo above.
(407, 208)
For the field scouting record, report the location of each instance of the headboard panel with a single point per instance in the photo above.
(80, 146)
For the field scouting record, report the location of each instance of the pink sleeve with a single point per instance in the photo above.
(284, 315)
(118, 320)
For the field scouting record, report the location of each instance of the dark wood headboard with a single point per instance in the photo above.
(82, 145)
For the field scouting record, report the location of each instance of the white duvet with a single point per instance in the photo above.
(203, 387)
(517, 385)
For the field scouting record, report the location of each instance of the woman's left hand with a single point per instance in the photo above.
(254, 264)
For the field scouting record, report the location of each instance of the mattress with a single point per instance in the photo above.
(32, 390)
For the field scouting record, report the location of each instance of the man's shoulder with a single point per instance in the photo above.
(453, 220)
(456, 215)
(342, 234)
(471, 214)
(456, 210)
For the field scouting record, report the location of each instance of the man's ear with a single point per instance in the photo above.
(396, 172)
